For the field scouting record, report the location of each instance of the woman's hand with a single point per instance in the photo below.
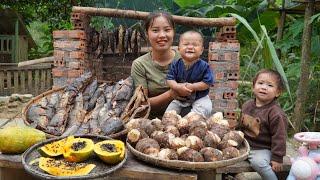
(276, 167)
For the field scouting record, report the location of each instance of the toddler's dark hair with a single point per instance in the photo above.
(192, 31)
(276, 74)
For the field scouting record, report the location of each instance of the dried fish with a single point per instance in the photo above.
(133, 41)
(43, 102)
(53, 100)
(127, 38)
(92, 101)
(121, 33)
(112, 125)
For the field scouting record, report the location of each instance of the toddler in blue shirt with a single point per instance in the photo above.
(191, 76)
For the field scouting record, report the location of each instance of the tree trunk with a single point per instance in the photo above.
(299, 110)
(189, 21)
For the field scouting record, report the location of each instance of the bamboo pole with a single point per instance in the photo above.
(36, 61)
(119, 13)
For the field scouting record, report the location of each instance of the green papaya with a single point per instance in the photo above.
(17, 139)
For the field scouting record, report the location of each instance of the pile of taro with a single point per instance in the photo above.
(191, 138)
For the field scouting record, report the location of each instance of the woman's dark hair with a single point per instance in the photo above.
(150, 18)
(273, 73)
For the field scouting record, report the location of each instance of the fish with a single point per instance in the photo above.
(112, 125)
(133, 40)
(43, 102)
(34, 112)
(75, 117)
(121, 33)
(138, 45)
(53, 100)
(127, 37)
(96, 95)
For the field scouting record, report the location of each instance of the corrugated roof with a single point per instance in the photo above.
(8, 19)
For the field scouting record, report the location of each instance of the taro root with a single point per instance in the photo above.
(170, 118)
(148, 146)
(227, 143)
(135, 123)
(230, 152)
(211, 154)
(162, 138)
(134, 135)
(157, 123)
(198, 128)
(177, 143)
(194, 142)
(183, 126)
(192, 116)
(219, 129)
(211, 139)
(187, 154)
(172, 129)
(217, 118)
(168, 154)
(236, 136)
(148, 127)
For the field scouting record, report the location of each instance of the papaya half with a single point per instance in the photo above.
(53, 149)
(110, 151)
(64, 168)
(78, 149)
(17, 139)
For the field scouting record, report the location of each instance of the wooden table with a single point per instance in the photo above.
(11, 168)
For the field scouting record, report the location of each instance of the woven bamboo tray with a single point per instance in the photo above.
(101, 169)
(193, 166)
(36, 99)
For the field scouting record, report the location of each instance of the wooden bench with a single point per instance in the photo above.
(244, 166)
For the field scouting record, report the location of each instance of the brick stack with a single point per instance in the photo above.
(224, 60)
(71, 51)
(69, 56)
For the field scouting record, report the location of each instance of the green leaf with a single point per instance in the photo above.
(186, 3)
(315, 17)
(267, 59)
(276, 60)
(246, 24)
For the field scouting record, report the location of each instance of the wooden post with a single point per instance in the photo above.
(189, 21)
(16, 40)
(281, 26)
(299, 110)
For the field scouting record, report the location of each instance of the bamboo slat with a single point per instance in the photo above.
(8, 81)
(22, 75)
(15, 81)
(1, 82)
(48, 81)
(43, 80)
(30, 87)
(36, 80)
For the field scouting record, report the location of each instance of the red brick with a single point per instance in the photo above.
(214, 45)
(231, 56)
(225, 104)
(71, 45)
(219, 75)
(230, 114)
(77, 34)
(213, 56)
(233, 75)
(232, 41)
(224, 65)
(60, 34)
(77, 55)
(58, 72)
(228, 36)
(58, 63)
(58, 54)
(74, 73)
(79, 25)
(78, 16)
(228, 29)
(229, 95)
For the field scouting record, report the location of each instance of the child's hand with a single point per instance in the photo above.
(182, 90)
(276, 167)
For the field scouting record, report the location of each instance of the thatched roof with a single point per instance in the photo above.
(8, 19)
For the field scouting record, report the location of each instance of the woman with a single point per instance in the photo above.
(150, 70)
